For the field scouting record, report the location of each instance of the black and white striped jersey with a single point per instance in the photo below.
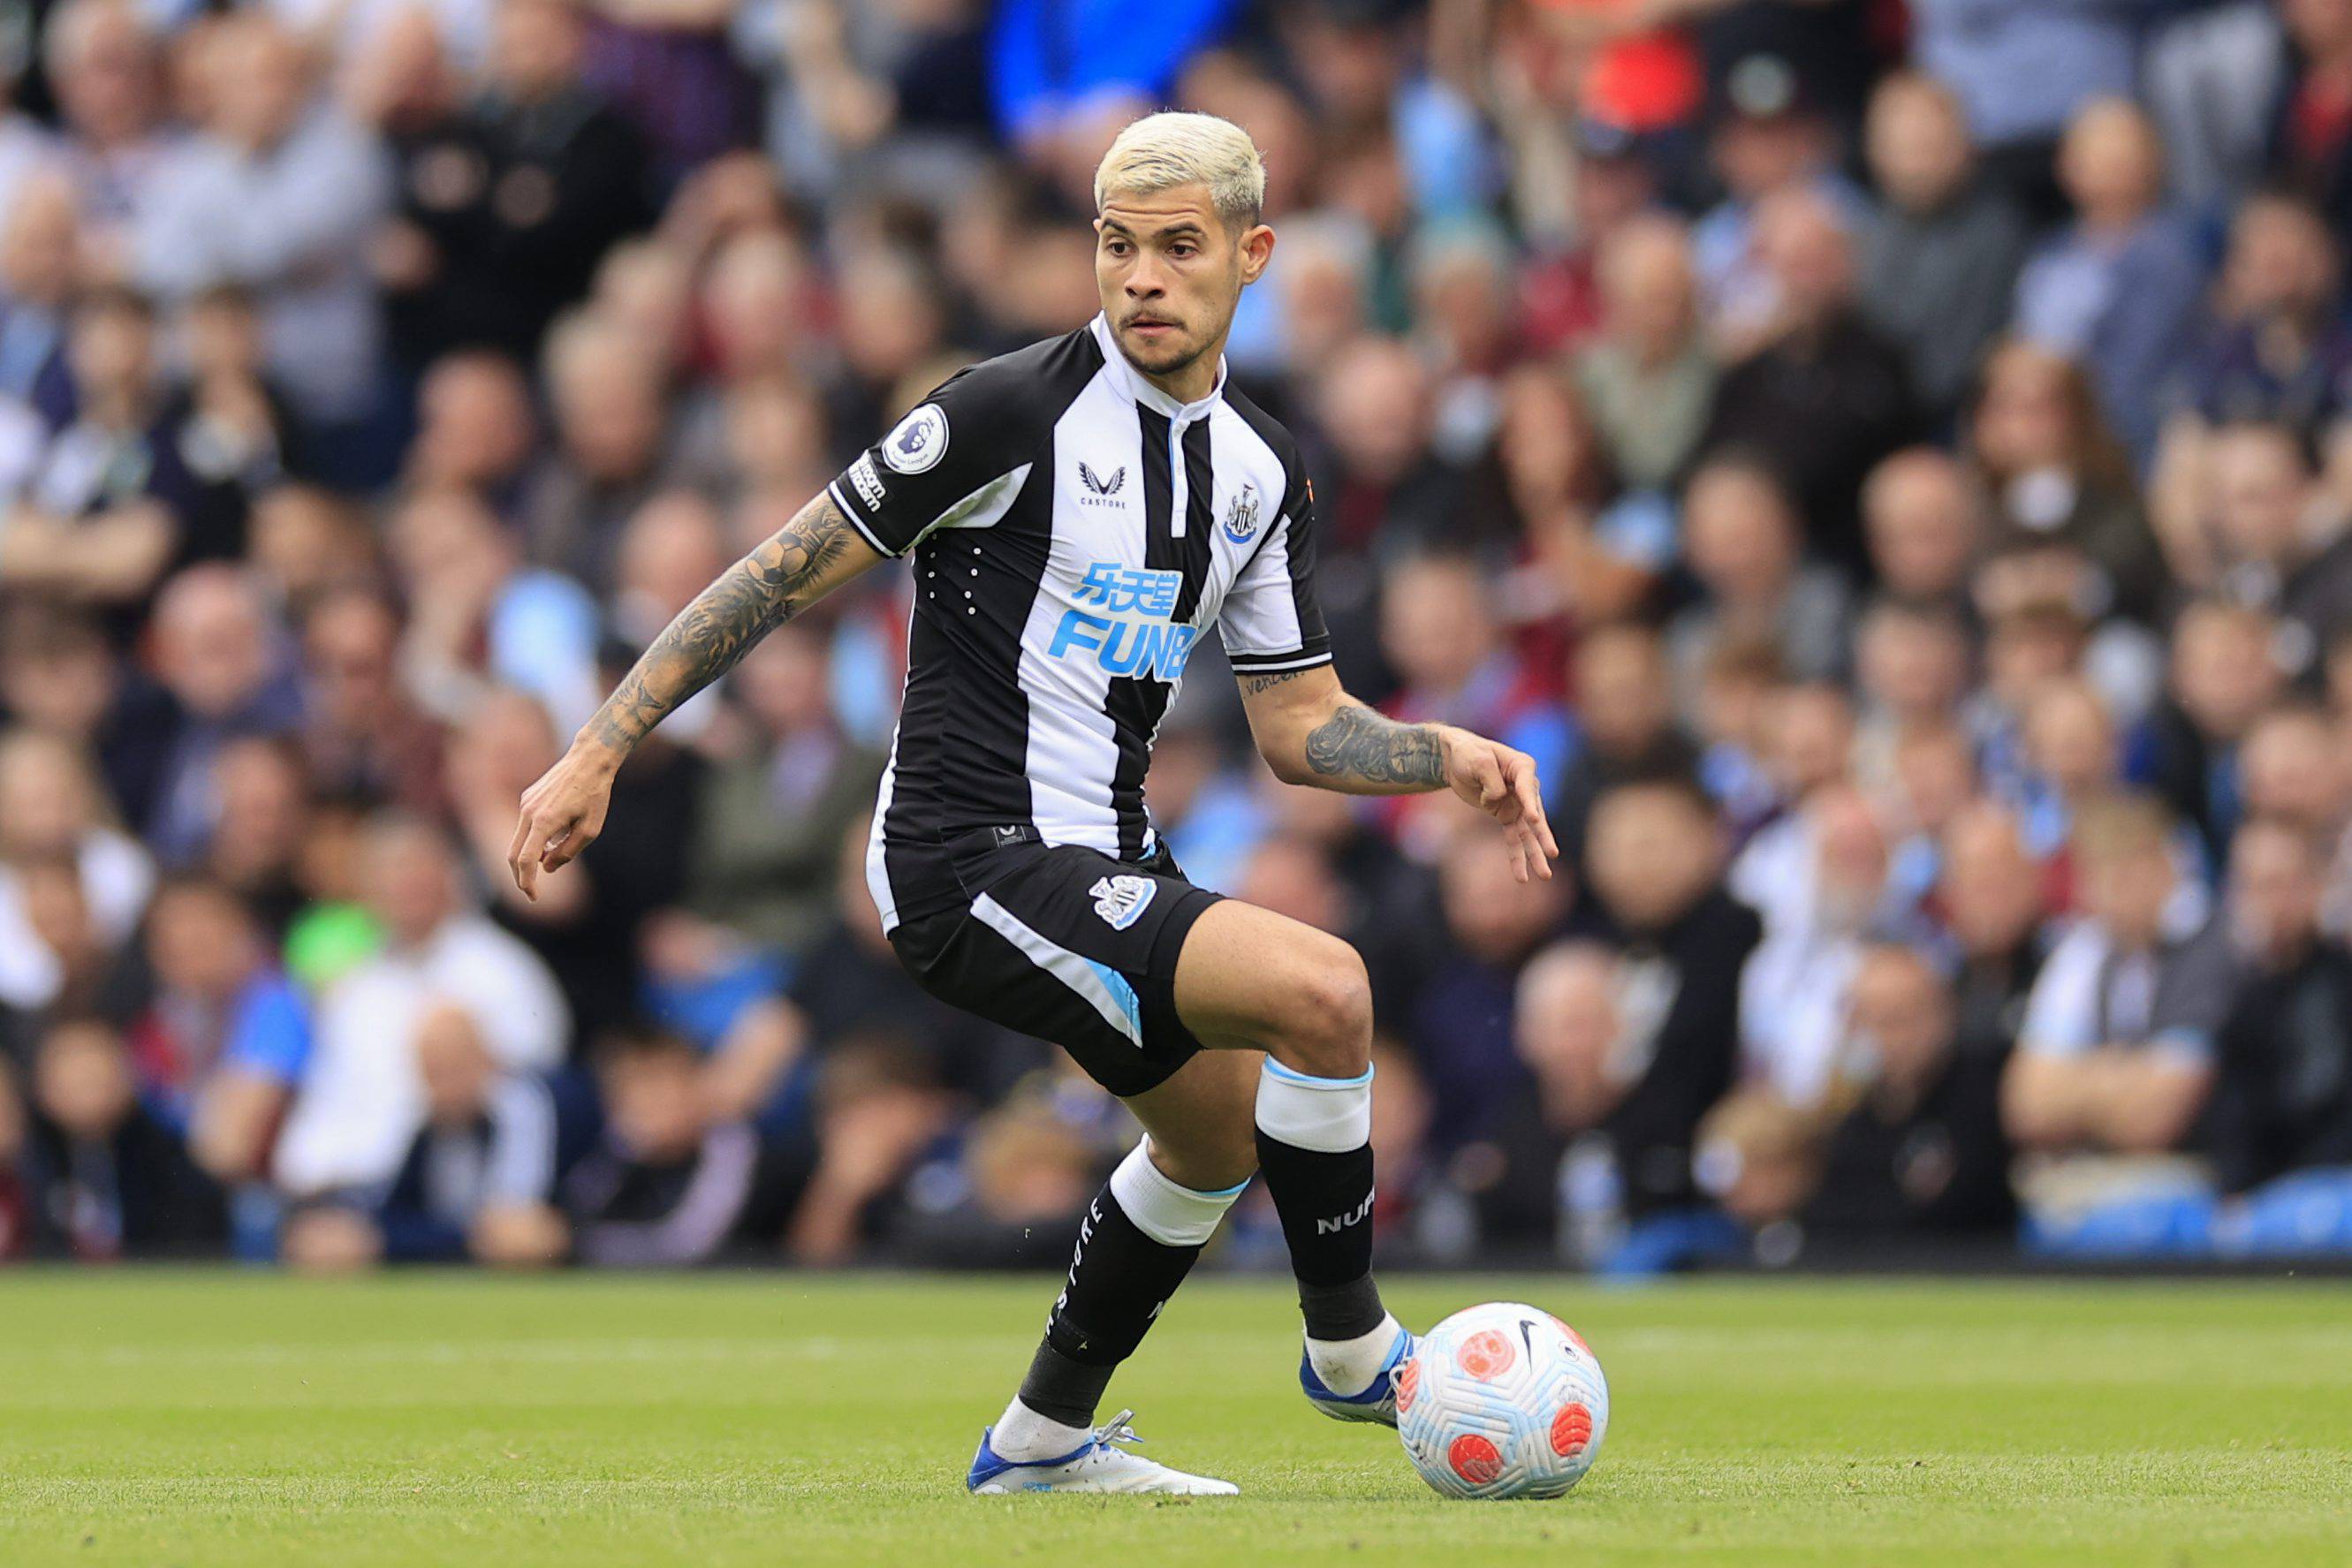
(1072, 532)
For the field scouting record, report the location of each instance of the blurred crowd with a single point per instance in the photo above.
(1892, 464)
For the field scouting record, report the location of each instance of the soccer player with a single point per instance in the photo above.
(1076, 514)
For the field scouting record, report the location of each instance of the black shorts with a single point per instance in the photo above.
(1067, 944)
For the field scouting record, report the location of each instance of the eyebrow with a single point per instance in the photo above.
(1180, 226)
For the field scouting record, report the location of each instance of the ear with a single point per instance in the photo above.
(1257, 251)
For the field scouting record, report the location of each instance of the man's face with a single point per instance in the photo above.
(1652, 854)
(2274, 890)
(1170, 272)
(2125, 890)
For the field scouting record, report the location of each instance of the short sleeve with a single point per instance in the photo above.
(961, 450)
(269, 1033)
(1270, 620)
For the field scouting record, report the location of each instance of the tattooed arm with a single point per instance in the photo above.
(808, 557)
(1310, 731)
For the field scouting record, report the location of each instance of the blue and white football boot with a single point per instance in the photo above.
(1377, 1403)
(1097, 1465)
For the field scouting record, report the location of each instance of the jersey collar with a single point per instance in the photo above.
(1133, 386)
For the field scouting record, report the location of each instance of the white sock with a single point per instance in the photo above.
(1349, 1366)
(1022, 1436)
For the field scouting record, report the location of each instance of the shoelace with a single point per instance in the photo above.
(1116, 1430)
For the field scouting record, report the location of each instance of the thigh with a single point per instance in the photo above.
(1245, 973)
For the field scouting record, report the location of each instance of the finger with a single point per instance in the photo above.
(520, 846)
(1538, 855)
(1489, 775)
(1531, 806)
(1534, 866)
(560, 853)
(527, 876)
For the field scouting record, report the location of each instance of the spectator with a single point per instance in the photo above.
(479, 1181)
(1593, 554)
(782, 802)
(226, 1037)
(476, 427)
(2279, 348)
(360, 1102)
(1741, 538)
(670, 1184)
(2117, 288)
(217, 659)
(1920, 1151)
(1769, 140)
(2310, 146)
(108, 1180)
(1457, 1020)
(104, 507)
(2275, 542)
(481, 617)
(1924, 522)
(1938, 265)
(2116, 1051)
(56, 843)
(1820, 895)
(1624, 690)
(2224, 674)
(1647, 373)
(2062, 489)
(1912, 670)
(2282, 1090)
(362, 734)
(612, 453)
(107, 74)
(40, 253)
(501, 216)
(1824, 393)
(278, 196)
(1993, 896)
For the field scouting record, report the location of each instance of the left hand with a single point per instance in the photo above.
(1502, 783)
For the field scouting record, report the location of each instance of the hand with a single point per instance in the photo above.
(1501, 782)
(562, 814)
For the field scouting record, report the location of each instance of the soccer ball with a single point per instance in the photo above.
(1502, 1400)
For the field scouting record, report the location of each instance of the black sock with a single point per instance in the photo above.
(1324, 1202)
(1119, 1278)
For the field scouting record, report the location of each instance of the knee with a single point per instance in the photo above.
(1211, 1162)
(1328, 1028)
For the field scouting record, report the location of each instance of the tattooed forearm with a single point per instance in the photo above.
(1357, 745)
(750, 599)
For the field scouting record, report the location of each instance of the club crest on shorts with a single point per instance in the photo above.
(919, 442)
(1241, 517)
(1120, 900)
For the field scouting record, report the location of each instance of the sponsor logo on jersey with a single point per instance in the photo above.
(865, 481)
(1102, 492)
(1126, 625)
(1241, 517)
(919, 442)
(1120, 900)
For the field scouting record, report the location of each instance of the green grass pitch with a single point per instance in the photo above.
(188, 1419)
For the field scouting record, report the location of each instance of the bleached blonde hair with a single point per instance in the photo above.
(1162, 151)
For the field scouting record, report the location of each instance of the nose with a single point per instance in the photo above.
(1143, 279)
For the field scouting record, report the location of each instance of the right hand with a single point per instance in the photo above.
(562, 814)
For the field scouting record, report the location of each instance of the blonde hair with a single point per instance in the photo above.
(1162, 151)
